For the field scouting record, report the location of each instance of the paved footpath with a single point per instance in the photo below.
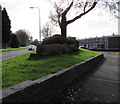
(97, 85)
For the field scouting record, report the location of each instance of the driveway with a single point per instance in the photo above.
(11, 54)
(97, 85)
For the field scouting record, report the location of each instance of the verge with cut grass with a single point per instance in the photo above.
(21, 68)
(12, 49)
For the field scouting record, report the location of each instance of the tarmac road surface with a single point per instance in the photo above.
(97, 85)
(11, 54)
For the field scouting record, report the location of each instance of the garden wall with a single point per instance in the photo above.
(43, 89)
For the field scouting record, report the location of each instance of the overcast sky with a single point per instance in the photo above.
(91, 25)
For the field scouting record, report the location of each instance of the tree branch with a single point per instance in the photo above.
(86, 3)
(59, 20)
(79, 16)
(68, 8)
(58, 15)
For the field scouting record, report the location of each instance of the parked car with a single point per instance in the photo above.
(31, 47)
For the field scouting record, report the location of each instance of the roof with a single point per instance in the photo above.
(102, 37)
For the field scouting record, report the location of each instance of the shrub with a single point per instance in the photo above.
(58, 39)
(35, 42)
(57, 45)
(52, 49)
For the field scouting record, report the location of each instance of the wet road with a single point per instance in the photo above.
(97, 85)
(11, 54)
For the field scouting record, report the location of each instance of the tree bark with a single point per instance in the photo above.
(63, 26)
(63, 29)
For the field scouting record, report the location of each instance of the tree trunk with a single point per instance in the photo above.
(64, 30)
(63, 26)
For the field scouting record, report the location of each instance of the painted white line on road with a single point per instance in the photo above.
(98, 79)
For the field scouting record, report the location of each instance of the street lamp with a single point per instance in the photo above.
(39, 22)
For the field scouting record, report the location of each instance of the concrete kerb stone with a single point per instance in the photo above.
(16, 88)
(43, 89)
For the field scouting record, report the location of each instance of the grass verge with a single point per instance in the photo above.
(12, 49)
(20, 68)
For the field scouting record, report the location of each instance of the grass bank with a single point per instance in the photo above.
(20, 68)
(12, 49)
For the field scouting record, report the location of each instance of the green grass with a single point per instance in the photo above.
(12, 49)
(21, 68)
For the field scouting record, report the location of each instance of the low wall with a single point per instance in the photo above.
(112, 49)
(43, 89)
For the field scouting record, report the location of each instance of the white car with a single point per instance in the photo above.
(31, 47)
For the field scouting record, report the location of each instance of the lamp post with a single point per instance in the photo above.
(39, 22)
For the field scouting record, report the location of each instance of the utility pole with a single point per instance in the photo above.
(39, 22)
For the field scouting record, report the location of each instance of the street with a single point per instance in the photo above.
(11, 54)
(97, 85)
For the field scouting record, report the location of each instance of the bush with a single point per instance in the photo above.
(14, 42)
(52, 49)
(58, 39)
(57, 45)
(35, 42)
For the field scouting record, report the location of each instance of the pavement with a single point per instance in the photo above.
(97, 85)
(11, 54)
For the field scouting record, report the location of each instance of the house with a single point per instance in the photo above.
(111, 42)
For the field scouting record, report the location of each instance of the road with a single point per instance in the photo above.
(11, 54)
(98, 85)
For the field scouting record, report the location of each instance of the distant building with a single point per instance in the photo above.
(111, 42)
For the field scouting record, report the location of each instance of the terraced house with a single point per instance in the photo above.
(111, 42)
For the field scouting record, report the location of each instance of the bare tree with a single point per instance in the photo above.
(64, 9)
(47, 30)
